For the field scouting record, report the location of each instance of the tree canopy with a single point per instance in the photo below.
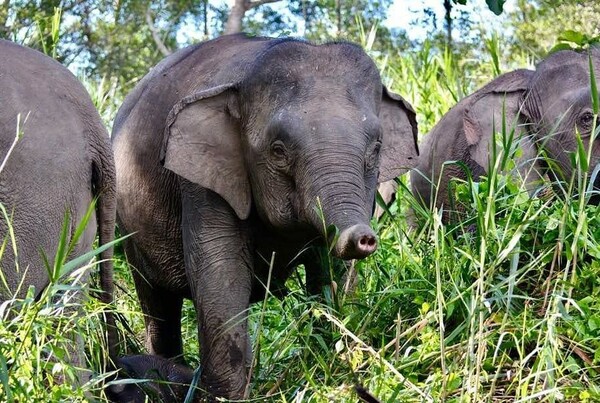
(119, 41)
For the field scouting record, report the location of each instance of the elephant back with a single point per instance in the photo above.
(48, 171)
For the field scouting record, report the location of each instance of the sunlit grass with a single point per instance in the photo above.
(52, 343)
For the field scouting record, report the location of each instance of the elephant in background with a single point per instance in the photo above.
(61, 163)
(544, 106)
(238, 152)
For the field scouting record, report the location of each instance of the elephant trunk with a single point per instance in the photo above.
(335, 194)
(356, 242)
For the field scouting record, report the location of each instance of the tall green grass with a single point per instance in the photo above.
(52, 341)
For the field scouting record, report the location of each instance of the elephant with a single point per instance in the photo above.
(56, 159)
(234, 156)
(170, 380)
(544, 106)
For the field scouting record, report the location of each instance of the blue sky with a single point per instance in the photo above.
(400, 14)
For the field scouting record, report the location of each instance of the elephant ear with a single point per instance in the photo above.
(483, 112)
(202, 143)
(399, 150)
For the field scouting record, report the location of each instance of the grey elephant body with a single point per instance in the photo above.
(59, 165)
(253, 134)
(542, 106)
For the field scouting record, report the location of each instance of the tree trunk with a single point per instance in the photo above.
(236, 15)
(156, 35)
(338, 12)
(205, 9)
(448, 18)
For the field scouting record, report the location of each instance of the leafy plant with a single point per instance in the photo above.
(42, 351)
(573, 40)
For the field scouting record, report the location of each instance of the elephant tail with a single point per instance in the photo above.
(105, 190)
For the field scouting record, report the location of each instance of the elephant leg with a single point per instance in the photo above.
(218, 258)
(73, 299)
(161, 308)
(323, 270)
(317, 270)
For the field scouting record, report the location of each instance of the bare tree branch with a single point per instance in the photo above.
(238, 10)
(253, 4)
(205, 17)
(155, 35)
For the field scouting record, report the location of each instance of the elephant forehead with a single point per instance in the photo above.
(569, 102)
(314, 91)
(333, 58)
(299, 65)
(302, 126)
(560, 80)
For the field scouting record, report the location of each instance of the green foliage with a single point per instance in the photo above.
(43, 356)
(48, 32)
(497, 6)
(572, 40)
(39, 339)
(540, 24)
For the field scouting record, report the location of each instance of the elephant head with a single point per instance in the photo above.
(545, 107)
(550, 105)
(308, 128)
(558, 103)
(465, 134)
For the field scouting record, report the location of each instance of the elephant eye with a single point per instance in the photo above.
(279, 152)
(373, 157)
(585, 121)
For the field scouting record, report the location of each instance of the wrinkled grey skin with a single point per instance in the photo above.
(251, 132)
(62, 161)
(544, 106)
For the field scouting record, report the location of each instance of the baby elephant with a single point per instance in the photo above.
(233, 157)
(59, 163)
(546, 106)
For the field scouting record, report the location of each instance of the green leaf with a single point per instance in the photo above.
(86, 257)
(593, 86)
(496, 6)
(62, 250)
(581, 153)
(573, 36)
(82, 226)
(560, 46)
(189, 397)
(381, 203)
(594, 323)
(4, 377)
